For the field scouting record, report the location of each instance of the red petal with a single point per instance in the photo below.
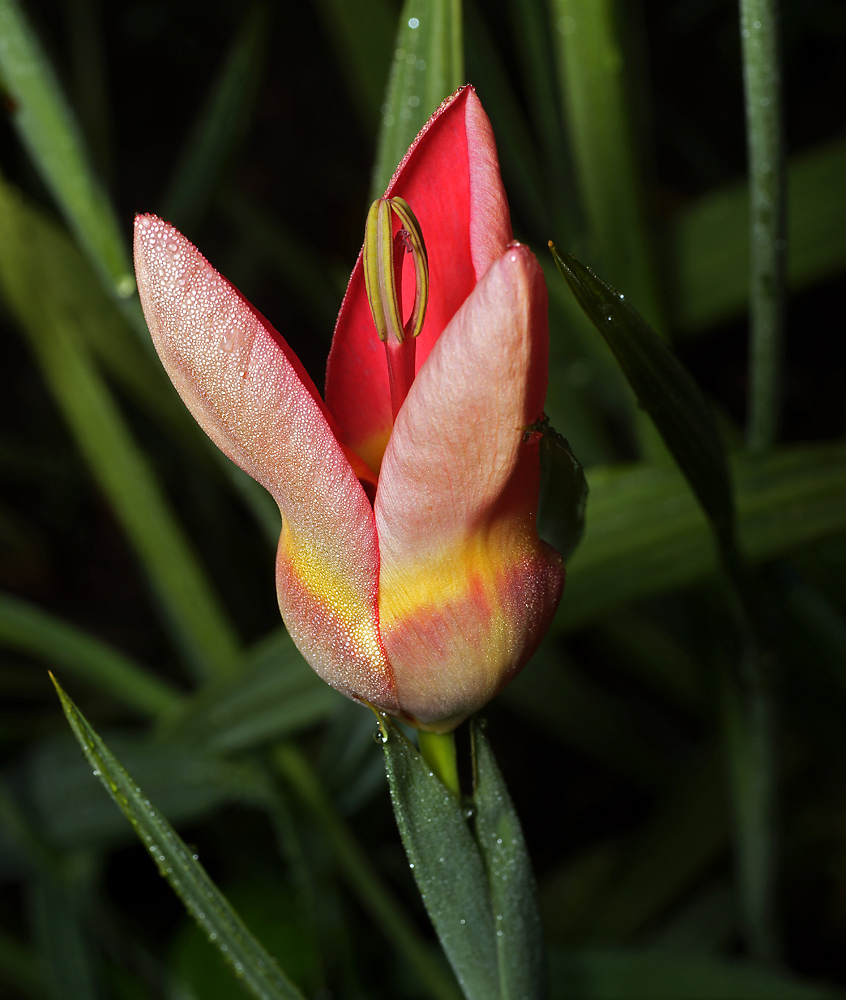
(450, 178)
(466, 587)
(250, 394)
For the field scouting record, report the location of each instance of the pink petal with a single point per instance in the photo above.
(466, 587)
(450, 178)
(249, 392)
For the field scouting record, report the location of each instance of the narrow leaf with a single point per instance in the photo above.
(428, 66)
(663, 387)
(519, 935)
(447, 866)
(28, 628)
(253, 966)
(491, 75)
(683, 837)
(49, 130)
(220, 125)
(589, 41)
(362, 34)
(187, 783)
(275, 694)
(564, 490)
(64, 949)
(356, 867)
(32, 252)
(599, 974)
(707, 253)
(646, 534)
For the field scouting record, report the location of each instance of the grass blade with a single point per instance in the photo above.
(598, 974)
(706, 256)
(253, 966)
(49, 131)
(519, 935)
(33, 251)
(595, 87)
(219, 126)
(664, 388)
(25, 627)
(362, 33)
(447, 866)
(428, 66)
(646, 534)
(64, 949)
(358, 870)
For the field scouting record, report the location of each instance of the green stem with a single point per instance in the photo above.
(759, 27)
(438, 750)
(358, 871)
(748, 725)
(749, 716)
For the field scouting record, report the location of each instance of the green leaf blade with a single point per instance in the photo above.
(26, 627)
(664, 388)
(428, 66)
(220, 125)
(563, 496)
(49, 130)
(57, 327)
(647, 534)
(447, 866)
(519, 935)
(590, 42)
(255, 968)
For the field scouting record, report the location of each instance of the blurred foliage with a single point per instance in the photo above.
(138, 566)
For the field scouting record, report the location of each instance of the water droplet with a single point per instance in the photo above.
(125, 286)
(413, 22)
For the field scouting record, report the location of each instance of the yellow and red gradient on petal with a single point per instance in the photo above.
(428, 600)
